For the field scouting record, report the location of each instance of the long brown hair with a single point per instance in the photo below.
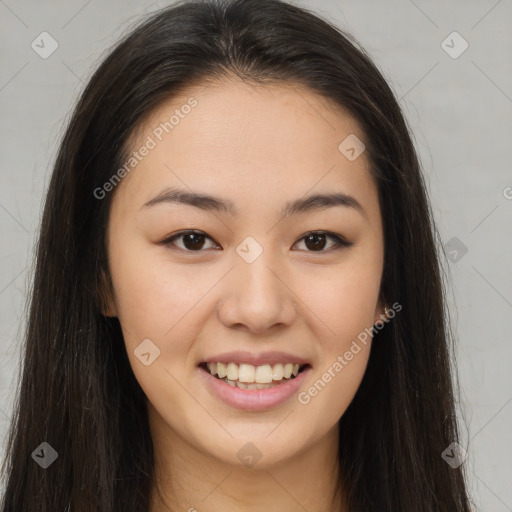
(77, 390)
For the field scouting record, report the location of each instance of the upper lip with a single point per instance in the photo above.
(273, 357)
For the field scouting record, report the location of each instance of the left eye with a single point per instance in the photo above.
(316, 240)
(193, 241)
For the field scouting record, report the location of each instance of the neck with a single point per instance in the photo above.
(186, 479)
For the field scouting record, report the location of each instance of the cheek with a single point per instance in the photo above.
(335, 385)
(160, 302)
(336, 379)
(156, 304)
(152, 295)
(342, 300)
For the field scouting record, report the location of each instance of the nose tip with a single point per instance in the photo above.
(256, 298)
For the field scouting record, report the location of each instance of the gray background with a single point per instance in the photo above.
(459, 110)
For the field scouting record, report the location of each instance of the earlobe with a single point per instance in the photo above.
(107, 305)
(109, 311)
(381, 313)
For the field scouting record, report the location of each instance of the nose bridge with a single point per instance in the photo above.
(256, 296)
(255, 270)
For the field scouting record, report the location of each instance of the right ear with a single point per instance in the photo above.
(107, 304)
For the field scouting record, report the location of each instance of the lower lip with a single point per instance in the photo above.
(253, 399)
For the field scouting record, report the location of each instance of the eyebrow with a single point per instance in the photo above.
(210, 203)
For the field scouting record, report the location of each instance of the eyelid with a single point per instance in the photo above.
(339, 239)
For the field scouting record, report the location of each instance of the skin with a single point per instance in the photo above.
(258, 146)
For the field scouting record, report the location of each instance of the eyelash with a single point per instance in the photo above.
(341, 242)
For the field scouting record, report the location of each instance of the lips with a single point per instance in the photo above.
(253, 397)
(253, 382)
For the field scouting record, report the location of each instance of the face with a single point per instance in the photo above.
(259, 278)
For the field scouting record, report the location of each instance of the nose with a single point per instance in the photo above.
(257, 297)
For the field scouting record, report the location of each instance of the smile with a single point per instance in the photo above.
(266, 386)
(248, 376)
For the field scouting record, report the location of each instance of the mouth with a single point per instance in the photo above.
(248, 376)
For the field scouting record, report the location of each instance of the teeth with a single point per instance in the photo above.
(263, 374)
(241, 385)
(248, 374)
(232, 371)
(221, 370)
(278, 371)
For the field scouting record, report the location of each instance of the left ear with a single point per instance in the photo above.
(380, 311)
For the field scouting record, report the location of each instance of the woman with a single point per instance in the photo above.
(237, 302)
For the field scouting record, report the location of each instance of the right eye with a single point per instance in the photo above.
(193, 241)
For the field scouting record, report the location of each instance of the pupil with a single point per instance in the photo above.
(315, 238)
(193, 240)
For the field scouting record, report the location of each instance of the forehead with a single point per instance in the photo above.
(230, 139)
(281, 121)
